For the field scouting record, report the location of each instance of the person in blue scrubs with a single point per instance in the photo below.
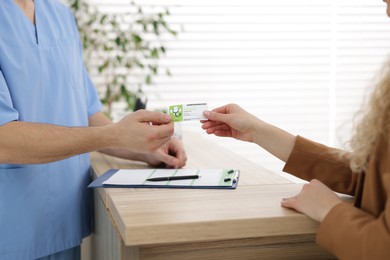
(50, 120)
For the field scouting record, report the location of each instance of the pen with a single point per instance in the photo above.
(174, 178)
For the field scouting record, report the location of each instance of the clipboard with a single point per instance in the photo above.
(138, 178)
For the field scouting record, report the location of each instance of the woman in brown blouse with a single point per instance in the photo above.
(359, 231)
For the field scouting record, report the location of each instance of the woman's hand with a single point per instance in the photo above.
(315, 200)
(230, 121)
(233, 121)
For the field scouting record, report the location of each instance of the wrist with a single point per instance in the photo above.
(332, 205)
(258, 130)
(107, 137)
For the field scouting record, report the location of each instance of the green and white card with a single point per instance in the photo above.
(187, 112)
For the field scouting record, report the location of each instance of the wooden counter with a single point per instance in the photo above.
(246, 223)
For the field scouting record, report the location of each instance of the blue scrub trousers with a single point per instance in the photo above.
(69, 254)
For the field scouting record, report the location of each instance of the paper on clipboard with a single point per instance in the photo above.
(137, 178)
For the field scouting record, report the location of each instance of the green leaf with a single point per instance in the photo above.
(118, 41)
(154, 69)
(104, 66)
(136, 38)
(154, 53)
(129, 65)
(103, 18)
(75, 5)
(174, 33)
(107, 95)
(148, 79)
(155, 28)
(139, 64)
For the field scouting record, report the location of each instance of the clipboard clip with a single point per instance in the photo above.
(235, 175)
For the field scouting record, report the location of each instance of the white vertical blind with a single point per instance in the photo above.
(302, 65)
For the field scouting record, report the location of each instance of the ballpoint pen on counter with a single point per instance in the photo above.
(174, 178)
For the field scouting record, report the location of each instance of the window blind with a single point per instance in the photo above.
(302, 65)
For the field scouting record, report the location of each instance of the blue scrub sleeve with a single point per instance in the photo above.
(93, 101)
(7, 112)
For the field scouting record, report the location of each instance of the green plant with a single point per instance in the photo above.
(123, 48)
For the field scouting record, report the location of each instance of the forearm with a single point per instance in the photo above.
(274, 140)
(124, 154)
(352, 233)
(30, 143)
(311, 160)
(233, 121)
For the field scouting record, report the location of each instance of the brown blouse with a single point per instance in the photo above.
(359, 231)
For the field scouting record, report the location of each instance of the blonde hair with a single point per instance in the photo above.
(372, 122)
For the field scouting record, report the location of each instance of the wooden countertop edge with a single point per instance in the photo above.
(281, 222)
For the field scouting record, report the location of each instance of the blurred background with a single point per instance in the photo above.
(303, 65)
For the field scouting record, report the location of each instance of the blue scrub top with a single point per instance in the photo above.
(44, 208)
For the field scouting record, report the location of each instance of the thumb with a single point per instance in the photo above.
(288, 202)
(214, 116)
(156, 118)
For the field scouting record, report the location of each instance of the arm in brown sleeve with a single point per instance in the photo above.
(347, 231)
(310, 160)
(351, 233)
